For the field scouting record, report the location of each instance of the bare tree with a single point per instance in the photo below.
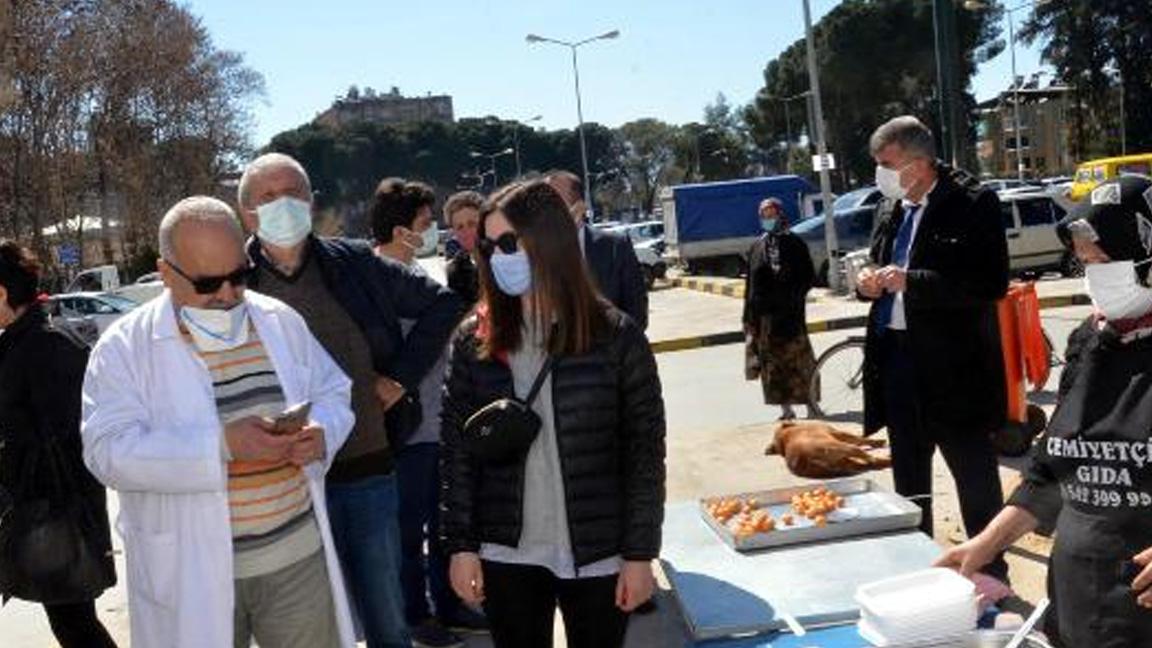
(113, 109)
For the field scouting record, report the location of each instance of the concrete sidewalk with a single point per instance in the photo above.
(720, 305)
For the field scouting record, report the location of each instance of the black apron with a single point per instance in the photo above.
(1099, 449)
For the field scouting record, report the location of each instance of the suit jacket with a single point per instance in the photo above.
(616, 272)
(957, 270)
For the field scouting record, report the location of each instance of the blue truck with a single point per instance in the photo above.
(710, 227)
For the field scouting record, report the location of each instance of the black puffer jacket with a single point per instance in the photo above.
(610, 430)
(41, 469)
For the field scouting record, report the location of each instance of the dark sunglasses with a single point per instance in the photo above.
(211, 285)
(506, 242)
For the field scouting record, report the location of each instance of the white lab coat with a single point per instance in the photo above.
(151, 432)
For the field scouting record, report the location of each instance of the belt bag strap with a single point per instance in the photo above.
(539, 382)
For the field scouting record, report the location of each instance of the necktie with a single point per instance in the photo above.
(900, 249)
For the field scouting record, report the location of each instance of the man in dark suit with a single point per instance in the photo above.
(610, 256)
(934, 373)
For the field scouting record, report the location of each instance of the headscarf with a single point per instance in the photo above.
(1117, 216)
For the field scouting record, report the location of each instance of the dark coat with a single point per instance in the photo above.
(41, 377)
(610, 431)
(378, 293)
(1089, 479)
(779, 295)
(957, 270)
(462, 275)
(616, 271)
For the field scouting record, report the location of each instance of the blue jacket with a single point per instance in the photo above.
(377, 293)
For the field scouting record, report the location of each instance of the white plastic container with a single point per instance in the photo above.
(917, 606)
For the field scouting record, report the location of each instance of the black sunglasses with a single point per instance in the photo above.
(506, 242)
(211, 285)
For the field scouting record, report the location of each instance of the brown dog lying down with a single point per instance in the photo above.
(818, 450)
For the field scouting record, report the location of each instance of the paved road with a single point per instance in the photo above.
(717, 431)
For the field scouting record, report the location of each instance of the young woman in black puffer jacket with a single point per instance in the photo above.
(575, 520)
(55, 542)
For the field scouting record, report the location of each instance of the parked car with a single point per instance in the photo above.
(1030, 225)
(641, 232)
(853, 231)
(1004, 184)
(853, 227)
(83, 326)
(101, 308)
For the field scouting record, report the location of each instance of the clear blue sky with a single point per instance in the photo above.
(671, 59)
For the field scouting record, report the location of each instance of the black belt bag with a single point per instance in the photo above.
(502, 432)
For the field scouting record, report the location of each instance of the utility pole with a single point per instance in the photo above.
(822, 151)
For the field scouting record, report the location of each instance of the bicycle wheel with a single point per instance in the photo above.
(837, 386)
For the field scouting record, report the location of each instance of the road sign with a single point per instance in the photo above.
(68, 254)
(817, 166)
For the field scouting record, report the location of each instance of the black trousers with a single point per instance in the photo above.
(968, 453)
(521, 600)
(75, 625)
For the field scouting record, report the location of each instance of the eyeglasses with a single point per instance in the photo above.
(506, 242)
(211, 285)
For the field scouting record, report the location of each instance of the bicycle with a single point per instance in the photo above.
(836, 387)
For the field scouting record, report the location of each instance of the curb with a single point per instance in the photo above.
(733, 288)
(825, 326)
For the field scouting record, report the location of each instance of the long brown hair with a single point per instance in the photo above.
(566, 304)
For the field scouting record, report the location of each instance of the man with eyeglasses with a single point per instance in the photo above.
(353, 302)
(223, 510)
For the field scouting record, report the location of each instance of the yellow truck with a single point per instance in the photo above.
(1093, 172)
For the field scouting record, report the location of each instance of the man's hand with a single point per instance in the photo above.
(634, 585)
(251, 439)
(388, 392)
(893, 279)
(467, 577)
(1144, 579)
(308, 445)
(868, 283)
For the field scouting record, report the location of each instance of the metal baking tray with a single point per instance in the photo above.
(868, 508)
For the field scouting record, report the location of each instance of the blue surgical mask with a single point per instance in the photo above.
(767, 224)
(284, 222)
(513, 273)
(216, 329)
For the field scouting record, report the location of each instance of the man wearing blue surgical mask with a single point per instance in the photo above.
(354, 302)
(934, 374)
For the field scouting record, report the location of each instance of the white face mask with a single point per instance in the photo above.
(284, 222)
(888, 181)
(214, 329)
(1114, 290)
(429, 239)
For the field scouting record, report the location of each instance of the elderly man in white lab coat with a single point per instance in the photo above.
(222, 506)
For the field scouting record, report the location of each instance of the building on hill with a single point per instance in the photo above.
(390, 108)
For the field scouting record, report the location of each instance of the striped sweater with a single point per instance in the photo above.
(273, 525)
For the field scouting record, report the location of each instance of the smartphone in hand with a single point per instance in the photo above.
(292, 419)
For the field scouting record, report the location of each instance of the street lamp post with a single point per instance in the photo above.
(492, 162)
(822, 150)
(533, 38)
(516, 139)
